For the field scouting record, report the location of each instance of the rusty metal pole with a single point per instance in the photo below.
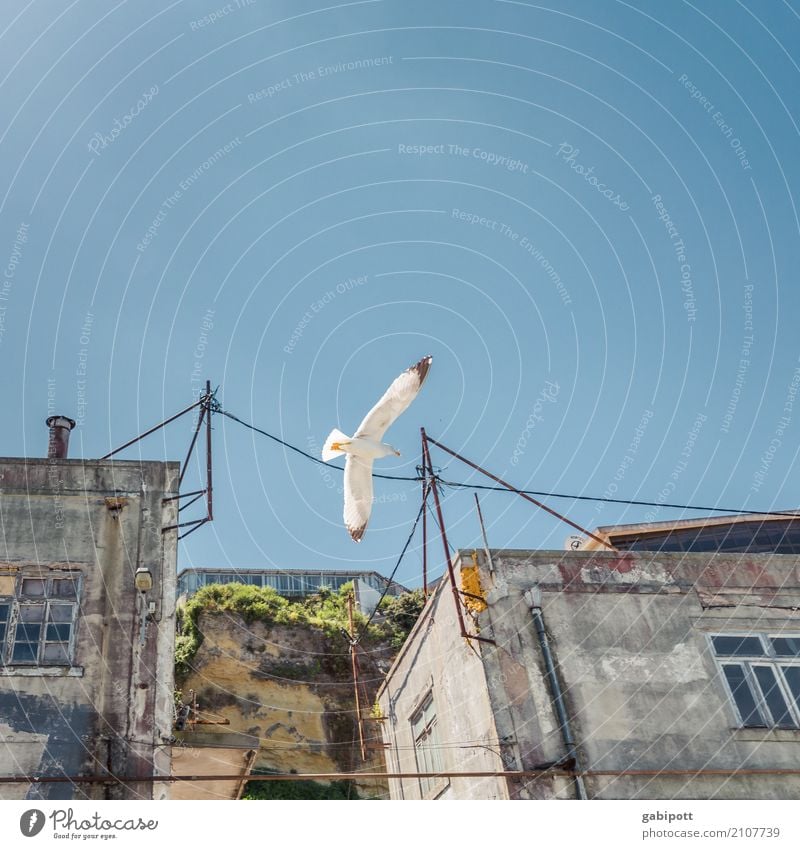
(354, 663)
(485, 538)
(152, 430)
(524, 495)
(424, 522)
(191, 445)
(450, 570)
(207, 409)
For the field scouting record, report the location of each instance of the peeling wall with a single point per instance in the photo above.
(289, 687)
(112, 708)
(630, 638)
(641, 685)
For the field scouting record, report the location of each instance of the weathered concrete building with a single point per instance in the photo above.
(602, 675)
(87, 625)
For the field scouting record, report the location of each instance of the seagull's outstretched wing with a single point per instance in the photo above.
(357, 495)
(397, 397)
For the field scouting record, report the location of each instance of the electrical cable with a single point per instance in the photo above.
(305, 453)
(362, 631)
(462, 485)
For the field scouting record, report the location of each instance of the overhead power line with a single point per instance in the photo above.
(541, 493)
(305, 453)
(363, 630)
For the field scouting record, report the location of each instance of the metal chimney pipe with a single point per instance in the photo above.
(58, 441)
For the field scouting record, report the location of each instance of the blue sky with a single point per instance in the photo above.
(586, 211)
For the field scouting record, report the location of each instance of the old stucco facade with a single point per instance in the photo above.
(648, 706)
(290, 689)
(86, 686)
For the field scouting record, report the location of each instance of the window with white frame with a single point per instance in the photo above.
(762, 674)
(37, 620)
(426, 744)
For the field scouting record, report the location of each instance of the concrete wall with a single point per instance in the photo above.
(112, 709)
(436, 659)
(642, 688)
(290, 688)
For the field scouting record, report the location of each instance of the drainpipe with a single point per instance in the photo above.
(533, 598)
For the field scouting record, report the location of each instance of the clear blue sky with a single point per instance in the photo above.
(602, 183)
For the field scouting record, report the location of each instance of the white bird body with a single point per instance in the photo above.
(366, 445)
(358, 446)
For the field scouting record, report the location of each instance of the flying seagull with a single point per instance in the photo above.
(366, 445)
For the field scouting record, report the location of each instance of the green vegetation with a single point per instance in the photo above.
(326, 610)
(401, 613)
(301, 789)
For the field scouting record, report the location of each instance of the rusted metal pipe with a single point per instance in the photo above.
(58, 439)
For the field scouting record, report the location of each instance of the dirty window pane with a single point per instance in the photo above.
(26, 637)
(426, 743)
(786, 646)
(33, 587)
(773, 696)
(58, 632)
(4, 609)
(24, 653)
(65, 588)
(61, 612)
(792, 675)
(28, 632)
(31, 612)
(738, 646)
(56, 653)
(743, 696)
